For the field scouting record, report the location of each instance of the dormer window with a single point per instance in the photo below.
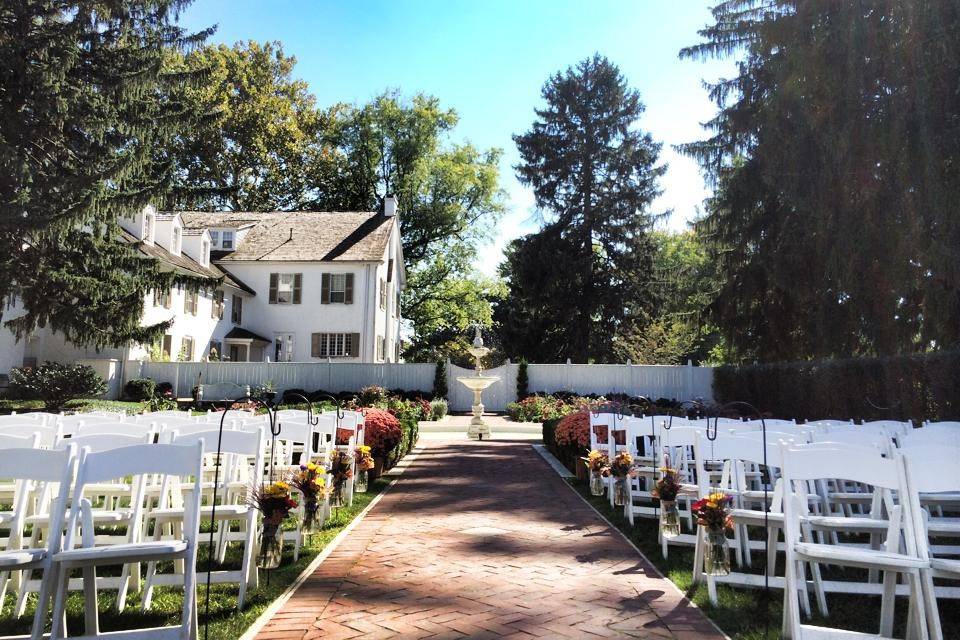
(215, 238)
(148, 228)
(177, 243)
(227, 243)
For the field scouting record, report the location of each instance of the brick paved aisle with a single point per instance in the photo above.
(484, 540)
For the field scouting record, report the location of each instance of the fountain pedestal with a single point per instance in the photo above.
(478, 429)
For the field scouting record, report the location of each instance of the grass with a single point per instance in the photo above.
(80, 404)
(745, 614)
(226, 622)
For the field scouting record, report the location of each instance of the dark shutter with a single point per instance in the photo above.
(273, 288)
(325, 288)
(297, 282)
(390, 270)
(348, 290)
(354, 337)
(314, 345)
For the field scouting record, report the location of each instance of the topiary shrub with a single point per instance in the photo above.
(523, 381)
(440, 380)
(381, 431)
(56, 383)
(439, 409)
(139, 389)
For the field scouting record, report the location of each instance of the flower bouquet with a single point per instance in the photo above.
(365, 462)
(341, 468)
(596, 461)
(619, 468)
(274, 501)
(713, 514)
(666, 490)
(311, 481)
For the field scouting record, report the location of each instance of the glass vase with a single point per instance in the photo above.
(361, 482)
(669, 519)
(311, 517)
(336, 497)
(271, 546)
(596, 483)
(716, 555)
(620, 492)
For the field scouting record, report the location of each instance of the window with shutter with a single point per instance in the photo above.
(236, 310)
(338, 288)
(383, 294)
(216, 309)
(297, 285)
(274, 278)
(334, 345)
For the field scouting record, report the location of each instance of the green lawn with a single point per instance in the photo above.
(742, 613)
(226, 622)
(82, 404)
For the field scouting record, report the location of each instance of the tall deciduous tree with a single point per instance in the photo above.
(594, 175)
(449, 200)
(263, 149)
(834, 156)
(84, 104)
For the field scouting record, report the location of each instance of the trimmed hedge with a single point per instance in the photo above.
(139, 389)
(918, 387)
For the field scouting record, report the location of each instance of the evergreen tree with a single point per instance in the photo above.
(84, 106)
(594, 175)
(834, 157)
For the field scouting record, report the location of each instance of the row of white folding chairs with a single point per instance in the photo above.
(935, 471)
(55, 471)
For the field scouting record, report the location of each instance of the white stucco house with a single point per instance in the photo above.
(297, 287)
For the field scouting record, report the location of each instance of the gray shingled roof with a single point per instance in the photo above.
(308, 236)
(219, 219)
(183, 262)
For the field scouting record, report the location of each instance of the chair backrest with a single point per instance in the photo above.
(244, 443)
(42, 466)
(49, 434)
(97, 442)
(16, 441)
(139, 460)
(22, 418)
(947, 427)
(879, 439)
(133, 428)
(926, 437)
(933, 468)
(831, 460)
(829, 424)
(772, 424)
(892, 427)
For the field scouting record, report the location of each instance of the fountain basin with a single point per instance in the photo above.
(477, 383)
(478, 428)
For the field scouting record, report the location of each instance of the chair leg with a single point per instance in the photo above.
(887, 603)
(189, 617)
(917, 618)
(931, 611)
(125, 580)
(58, 628)
(40, 615)
(91, 618)
(773, 536)
(819, 590)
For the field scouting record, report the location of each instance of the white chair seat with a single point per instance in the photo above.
(753, 516)
(841, 523)
(945, 566)
(224, 511)
(100, 516)
(950, 526)
(857, 557)
(124, 553)
(20, 558)
(949, 497)
(6, 516)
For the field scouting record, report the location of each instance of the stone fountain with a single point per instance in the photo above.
(477, 383)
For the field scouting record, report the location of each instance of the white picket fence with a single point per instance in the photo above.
(683, 382)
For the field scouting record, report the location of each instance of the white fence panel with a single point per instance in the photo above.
(310, 376)
(653, 381)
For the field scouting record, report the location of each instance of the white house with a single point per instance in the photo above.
(303, 287)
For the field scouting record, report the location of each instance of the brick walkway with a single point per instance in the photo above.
(483, 540)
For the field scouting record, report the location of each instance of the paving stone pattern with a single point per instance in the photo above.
(483, 540)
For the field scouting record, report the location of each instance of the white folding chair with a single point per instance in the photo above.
(934, 470)
(162, 459)
(28, 466)
(113, 493)
(49, 434)
(802, 464)
(239, 451)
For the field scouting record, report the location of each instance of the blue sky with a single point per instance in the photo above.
(488, 59)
